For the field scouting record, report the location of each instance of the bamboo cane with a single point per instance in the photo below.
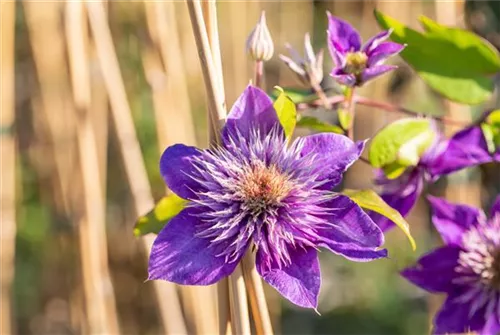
(8, 159)
(100, 300)
(135, 169)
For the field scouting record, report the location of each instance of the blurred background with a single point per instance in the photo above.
(89, 105)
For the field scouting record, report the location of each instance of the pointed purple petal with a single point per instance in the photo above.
(338, 56)
(401, 194)
(492, 325)
(495, 209)
(466, 148)
(453, 220)
(382, 52)
(454, 318)
(332, 154)
(343, 34)
(375, 41)
(375, 71)
(299, 282)
(435, 271)
(344, 79)
(176, 167)
(352, 232)
(179, 256)
(253, 110)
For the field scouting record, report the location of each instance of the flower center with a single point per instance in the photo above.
(263, 188)
(355, 62)
(482, 257)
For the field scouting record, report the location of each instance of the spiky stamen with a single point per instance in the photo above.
(479, 264)
(258, 190)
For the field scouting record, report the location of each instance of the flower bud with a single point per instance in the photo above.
(260, 45)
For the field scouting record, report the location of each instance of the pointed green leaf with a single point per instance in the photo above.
(394, 170)
(317, 125)
(370, 200)
(287, 113)
(454, 62)
(402, 142)
(158, 217)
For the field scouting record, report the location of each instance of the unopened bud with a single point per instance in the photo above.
(260, 45)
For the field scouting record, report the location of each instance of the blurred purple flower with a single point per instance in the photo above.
(309, 68)
(356, 64)
(255, 192)
(464, 149)
(467, 269)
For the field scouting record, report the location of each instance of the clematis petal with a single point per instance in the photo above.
(352, 233)
(344, 79)
(179, 256)
(466, 148)
(299, 282)
(401, 194)
(495, 209)
(453, 220)
(435, 271)
(382, 52)
(454, 318)
(331, 154)
(342, 35)
(375, 71)
(492, 325)
(252, 110)
(375, 41)
(175, 168)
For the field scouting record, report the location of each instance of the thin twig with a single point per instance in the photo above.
(135, 169)
(100, 300)
(8, 166)
(256, 294)
(399, 109)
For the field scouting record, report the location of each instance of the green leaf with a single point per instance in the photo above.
(491, 130)
(297, 95)
(317, 125)
(345, 119)
(394, 170)
(402, 142)
(158, 217)
(287, 113)
(454, 62)
(370, 200)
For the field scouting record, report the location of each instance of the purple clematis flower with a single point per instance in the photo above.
(356, 64)
(256, 193)
(467, 269)
(464, 149)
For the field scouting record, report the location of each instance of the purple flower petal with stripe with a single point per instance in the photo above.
(256, 192)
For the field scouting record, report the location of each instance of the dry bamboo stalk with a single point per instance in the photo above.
(175, 125)
(135, 169)
(163, 29)
(210, 16)
(44, 23)
(255, 290)
(8, 166)
(240, 321)
(100, 300)
(214, 95)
